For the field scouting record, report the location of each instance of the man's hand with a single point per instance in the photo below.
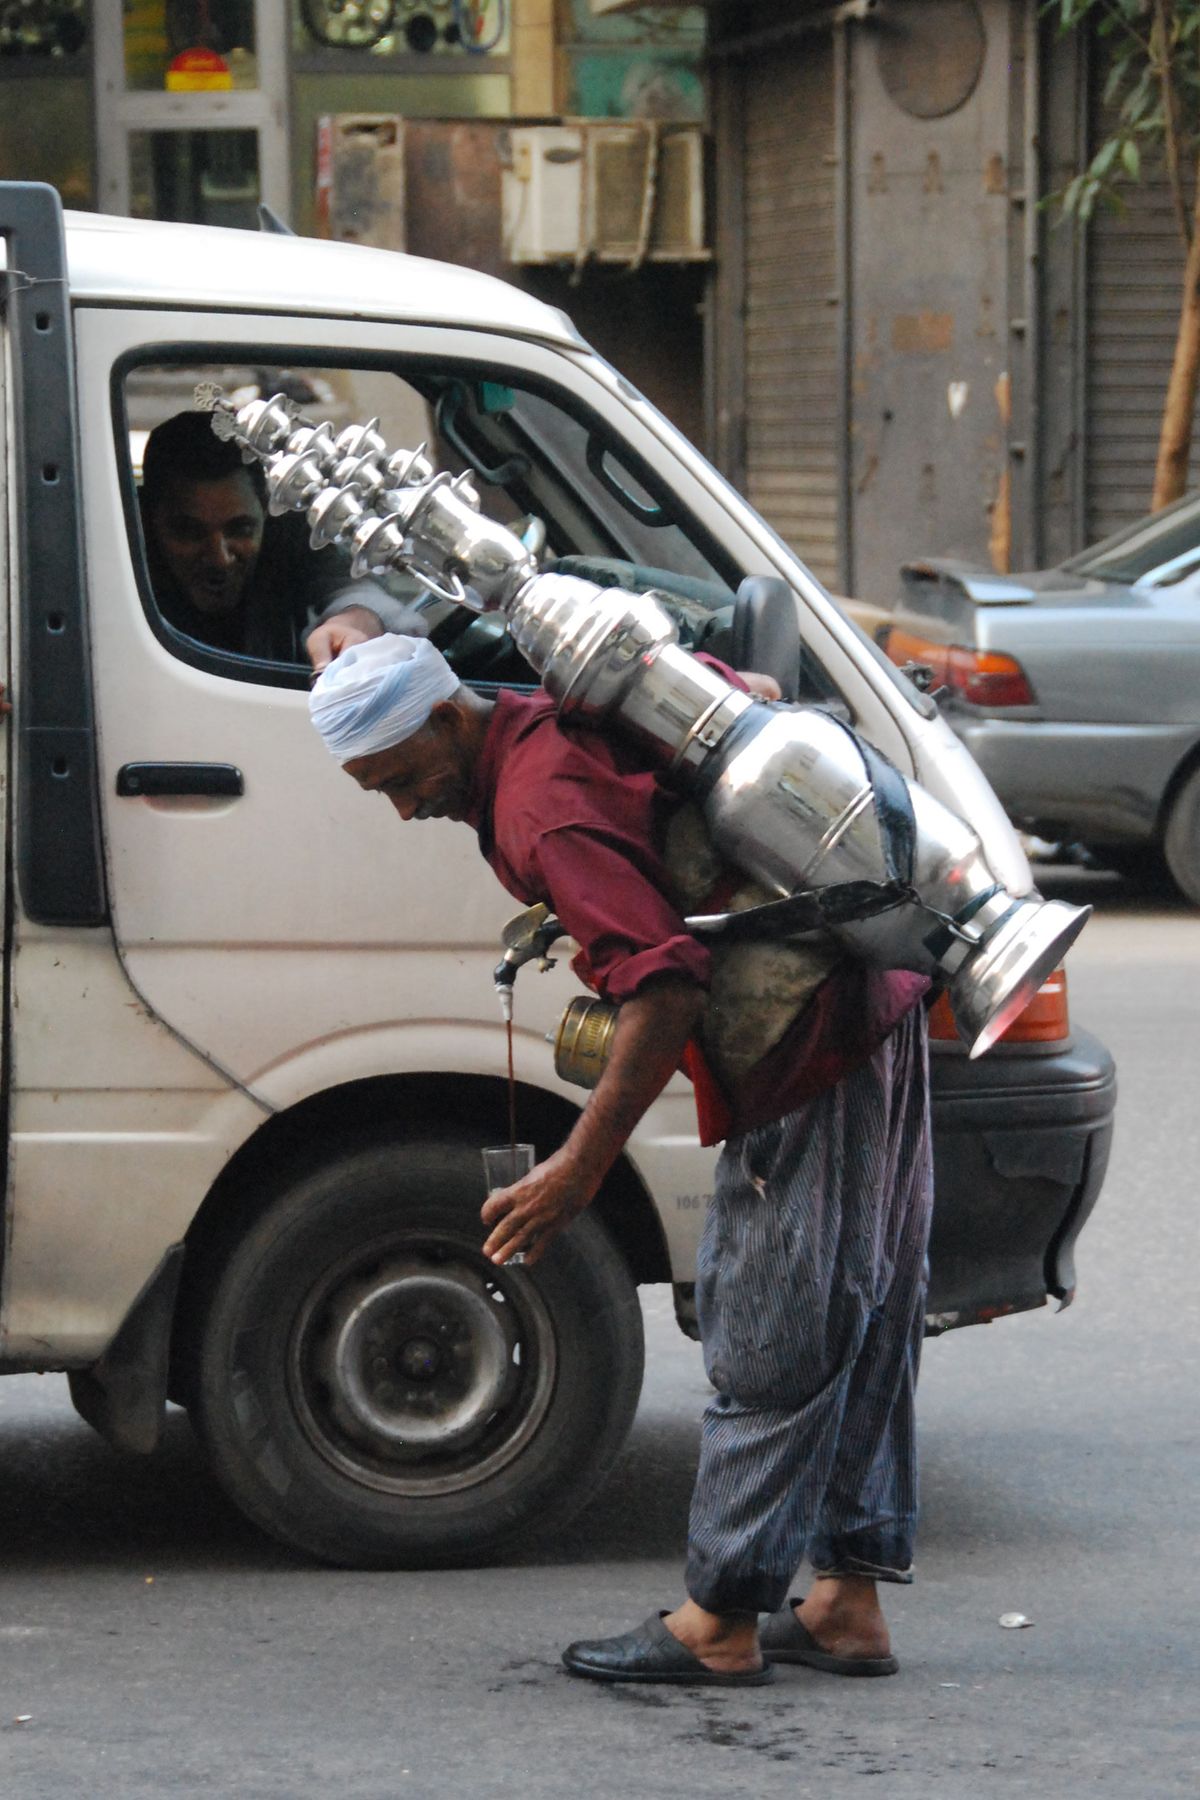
(651, 1032)
(528, 1216)
(332, 636)
(765, 686)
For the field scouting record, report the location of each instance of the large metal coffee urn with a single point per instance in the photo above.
(790, 794)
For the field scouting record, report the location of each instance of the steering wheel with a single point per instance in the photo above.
(702, 610)
(484, 649)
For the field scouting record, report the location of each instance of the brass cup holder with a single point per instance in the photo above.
(583, 1043)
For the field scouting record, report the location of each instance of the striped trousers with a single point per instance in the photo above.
(811, 1295)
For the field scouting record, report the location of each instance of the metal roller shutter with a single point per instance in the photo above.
(791, 342)
(1135, 269)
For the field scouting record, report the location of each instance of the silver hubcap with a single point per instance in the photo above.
(422, 1369)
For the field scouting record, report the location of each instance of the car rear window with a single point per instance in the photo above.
(1141, 550)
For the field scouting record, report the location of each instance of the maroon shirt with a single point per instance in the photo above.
(569, 816)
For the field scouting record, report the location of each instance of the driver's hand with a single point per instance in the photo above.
(765, 686)
(327, 640)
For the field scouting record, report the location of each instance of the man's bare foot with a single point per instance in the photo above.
(843, 1615)
(724, 1642)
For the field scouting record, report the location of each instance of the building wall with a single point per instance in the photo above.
(555, 57)
(46, 121)
(997, 372)
(929, 342)
(884, 257)
(1135, 280)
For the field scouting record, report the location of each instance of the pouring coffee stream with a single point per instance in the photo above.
(526, 937)
(512, 1089)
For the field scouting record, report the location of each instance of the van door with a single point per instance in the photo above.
(7, 601)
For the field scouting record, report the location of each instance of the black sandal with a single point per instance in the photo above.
(785, 1640)
(653, 1653)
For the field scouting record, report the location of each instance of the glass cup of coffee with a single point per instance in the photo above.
(502, 1165)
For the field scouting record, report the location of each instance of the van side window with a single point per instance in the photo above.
(226, 584)
(235, 590)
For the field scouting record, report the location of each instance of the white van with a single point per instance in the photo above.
(251, 1042)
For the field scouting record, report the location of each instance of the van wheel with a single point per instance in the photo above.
(1181, 842)
(373, 1392)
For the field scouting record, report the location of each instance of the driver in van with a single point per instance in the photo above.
(811, 1271)
(224, 571)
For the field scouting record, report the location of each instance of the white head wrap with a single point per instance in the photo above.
(377, 694)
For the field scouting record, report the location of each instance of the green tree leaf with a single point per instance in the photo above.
(1105, 157)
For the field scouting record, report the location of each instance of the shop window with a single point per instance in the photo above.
(441, 30)
(195, 177)
(45, 97)
(192, 44)
(43, 31)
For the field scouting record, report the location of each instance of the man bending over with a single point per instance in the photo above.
(811, 1277)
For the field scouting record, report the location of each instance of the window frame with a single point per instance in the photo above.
(262, 672)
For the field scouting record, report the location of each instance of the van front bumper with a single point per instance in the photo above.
(1021, 1144)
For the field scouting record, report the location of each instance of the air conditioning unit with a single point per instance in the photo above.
(615, 191)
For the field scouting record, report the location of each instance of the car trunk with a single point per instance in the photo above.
(948, 599)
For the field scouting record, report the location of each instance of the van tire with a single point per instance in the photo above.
(375, 1394)
(1181, 840)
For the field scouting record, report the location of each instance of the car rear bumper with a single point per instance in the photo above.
(1100, 781)
(1021, 1144)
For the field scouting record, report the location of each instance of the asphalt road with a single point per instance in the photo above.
(159, 1647)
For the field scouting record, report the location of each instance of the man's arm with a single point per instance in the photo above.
(329, 637)
(360, 612)
(651, 1032)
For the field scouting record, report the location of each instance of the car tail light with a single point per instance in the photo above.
(1046, 1020)
(982, 677)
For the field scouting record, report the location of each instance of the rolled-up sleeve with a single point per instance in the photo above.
(608, 890)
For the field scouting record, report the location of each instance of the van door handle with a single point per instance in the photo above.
(152, 779)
